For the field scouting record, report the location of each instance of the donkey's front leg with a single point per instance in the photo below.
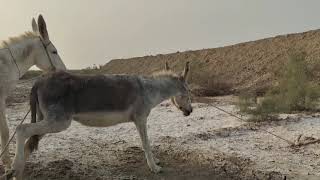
(4, 133)
(156, 160)
(19, 159)
(141, 125)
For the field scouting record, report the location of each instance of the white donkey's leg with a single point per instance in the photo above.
(141, 125)
(25, 131)
(4, 132)
(32, 143)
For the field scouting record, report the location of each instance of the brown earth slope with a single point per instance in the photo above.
(245, 66)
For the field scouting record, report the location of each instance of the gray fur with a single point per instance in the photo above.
(104, 93)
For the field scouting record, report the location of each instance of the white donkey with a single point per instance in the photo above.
(99, 101)
(17, 55)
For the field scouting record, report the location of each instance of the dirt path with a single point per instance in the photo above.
(206, 145)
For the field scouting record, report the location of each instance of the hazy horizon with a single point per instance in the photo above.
(94, 32)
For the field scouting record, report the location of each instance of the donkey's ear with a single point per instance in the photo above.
(185, 71)
(34, 26)
(166, 66)
(43, 28)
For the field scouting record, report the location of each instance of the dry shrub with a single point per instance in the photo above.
(295, 92)
(205, 85)
(217, 89)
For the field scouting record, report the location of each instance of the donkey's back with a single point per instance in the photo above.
(83, 94)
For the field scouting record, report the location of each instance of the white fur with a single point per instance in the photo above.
(10, 72)
(102, 119)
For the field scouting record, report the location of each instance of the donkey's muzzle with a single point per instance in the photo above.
(187, 113)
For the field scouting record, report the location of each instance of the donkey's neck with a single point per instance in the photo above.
(23, 53)
(162, 88)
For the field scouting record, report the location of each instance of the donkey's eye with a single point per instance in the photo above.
(54, 52)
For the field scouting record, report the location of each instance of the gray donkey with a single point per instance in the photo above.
(99, 101)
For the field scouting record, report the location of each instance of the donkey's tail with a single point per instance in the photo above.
(33, 141)
(33, 104)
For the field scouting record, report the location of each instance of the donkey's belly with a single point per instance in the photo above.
(101, 119)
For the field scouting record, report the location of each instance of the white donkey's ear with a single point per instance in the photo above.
(166, 66)
(34, 26)
(43, 28)
(186, 71)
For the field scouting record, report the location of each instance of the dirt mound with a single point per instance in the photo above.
(245, 66)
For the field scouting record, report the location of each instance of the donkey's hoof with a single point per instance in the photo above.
(9, 174)
(156, 169)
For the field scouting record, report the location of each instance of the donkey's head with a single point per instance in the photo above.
(183, 100)
(46, 56)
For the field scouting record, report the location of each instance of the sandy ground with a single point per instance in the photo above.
(208, 144)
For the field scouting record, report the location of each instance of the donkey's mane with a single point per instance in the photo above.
(165, 74)
(16, 39)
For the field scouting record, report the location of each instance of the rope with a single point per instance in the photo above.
(242, 120)
(14, 133)
(45, 46)
(14, 60)
(24, 118)
(239, 118)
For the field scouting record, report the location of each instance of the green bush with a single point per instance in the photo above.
(294, 92)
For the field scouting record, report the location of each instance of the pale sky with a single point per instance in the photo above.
(88, 32)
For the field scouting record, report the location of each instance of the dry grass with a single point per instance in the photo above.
(209, 86)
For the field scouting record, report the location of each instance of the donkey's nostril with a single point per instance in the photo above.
(186, 113)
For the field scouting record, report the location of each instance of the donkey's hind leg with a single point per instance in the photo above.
(31, 145)
(24, 131)
(141, 125)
